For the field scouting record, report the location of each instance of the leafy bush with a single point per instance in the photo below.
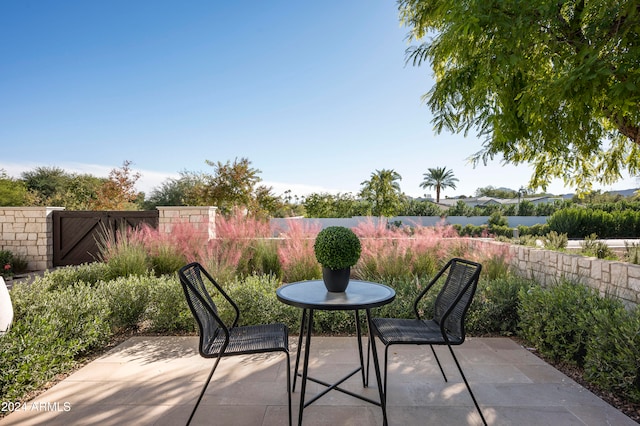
(166, 260)
(495, 307)
(167, 310)
(580, 222)
(614, 350)
(90, 273)
(51, 330)
(496, 219)
(632, 253)
(592, 247)
(539, 229)
(257, 301)
(263, 258)
(128, 298)
(557, 320)
(555, 241)
(470, 230)
(501, 230)
(11, 264)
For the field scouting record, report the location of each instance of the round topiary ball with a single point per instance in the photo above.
(337, 247)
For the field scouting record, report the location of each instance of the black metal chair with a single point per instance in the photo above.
(447, 325)
(217, 339)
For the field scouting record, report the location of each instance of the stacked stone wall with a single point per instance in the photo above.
(203, 219)
(620, 280)
(28, 232)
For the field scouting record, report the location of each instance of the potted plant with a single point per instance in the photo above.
(337, 249)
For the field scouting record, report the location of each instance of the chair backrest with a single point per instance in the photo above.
(193, 278)
(6, 308)
(455, 297)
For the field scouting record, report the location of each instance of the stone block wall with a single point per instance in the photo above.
(28, 232)
(201, 218)
(615, 279)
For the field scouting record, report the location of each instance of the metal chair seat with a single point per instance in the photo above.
(393, 331)
(249, 339)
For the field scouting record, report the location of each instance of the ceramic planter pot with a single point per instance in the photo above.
(336, 280)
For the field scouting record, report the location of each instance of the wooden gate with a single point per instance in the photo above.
(75, 233)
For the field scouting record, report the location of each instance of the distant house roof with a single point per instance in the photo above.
(486, 201)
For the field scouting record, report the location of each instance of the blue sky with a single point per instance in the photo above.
(315, 94)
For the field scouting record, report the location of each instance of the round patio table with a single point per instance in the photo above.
(313, 295)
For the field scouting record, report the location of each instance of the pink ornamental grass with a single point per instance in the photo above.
(399, 252)
(295, 251)
(235, 236)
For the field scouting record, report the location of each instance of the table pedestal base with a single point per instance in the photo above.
(307, 320)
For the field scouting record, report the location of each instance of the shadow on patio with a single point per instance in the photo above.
(156, 380)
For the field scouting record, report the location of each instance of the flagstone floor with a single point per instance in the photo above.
(156, 380)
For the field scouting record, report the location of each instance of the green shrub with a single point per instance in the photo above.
(51, 330)
(579, 222)
(495, 306)
(407, 289)
(614, 350)
(11, 264)
(538, 230)
(555, 241)
(503, 231)
(496, 219)
(256, 298)
(632, 253)
(557, 320)
(470, 230)
(167, 310)
(165, 260)
(264, 258)
(128, 298)
(90, 273)
(594, 248)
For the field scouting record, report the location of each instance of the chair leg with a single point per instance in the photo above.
(484, 422)
(289, 386)
(438, 361)
(204, 388)
(386, 363)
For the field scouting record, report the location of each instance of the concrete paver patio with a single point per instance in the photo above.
(156, 380)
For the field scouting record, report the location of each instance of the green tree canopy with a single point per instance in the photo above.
(383, 192)
(439, 178)
(490, 191)
(233, 184)
(553, 84)
(329, 205)
(53, 186)
(13, 192)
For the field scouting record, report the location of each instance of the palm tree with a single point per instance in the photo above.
(439, 178)
(383, 192)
